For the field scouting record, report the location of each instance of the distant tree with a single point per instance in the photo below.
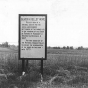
(5, 44)
(54, 47)
(80, 48)
(71, 47)
(64, 47)
(58, 47)
(68, 47)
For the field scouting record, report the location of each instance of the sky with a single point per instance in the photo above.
(67, 20)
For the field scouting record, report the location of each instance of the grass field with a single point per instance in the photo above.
(62, 69)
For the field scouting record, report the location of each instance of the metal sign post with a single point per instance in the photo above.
(26, 65)
(42, 68)
(23, 65)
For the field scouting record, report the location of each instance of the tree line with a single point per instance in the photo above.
(6, 44)
(70, 47)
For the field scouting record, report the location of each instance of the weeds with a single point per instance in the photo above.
(61, 70)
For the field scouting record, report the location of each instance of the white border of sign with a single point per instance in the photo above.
(44, 36)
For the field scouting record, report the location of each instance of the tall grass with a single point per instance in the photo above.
(69, 68)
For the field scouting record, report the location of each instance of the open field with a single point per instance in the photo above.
(62, 69)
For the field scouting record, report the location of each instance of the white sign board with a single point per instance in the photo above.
(32, 36)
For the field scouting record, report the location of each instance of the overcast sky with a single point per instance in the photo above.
(67, 20)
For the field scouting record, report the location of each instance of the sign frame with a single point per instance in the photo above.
(19, 34)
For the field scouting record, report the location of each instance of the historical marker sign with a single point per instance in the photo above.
(32, 36)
